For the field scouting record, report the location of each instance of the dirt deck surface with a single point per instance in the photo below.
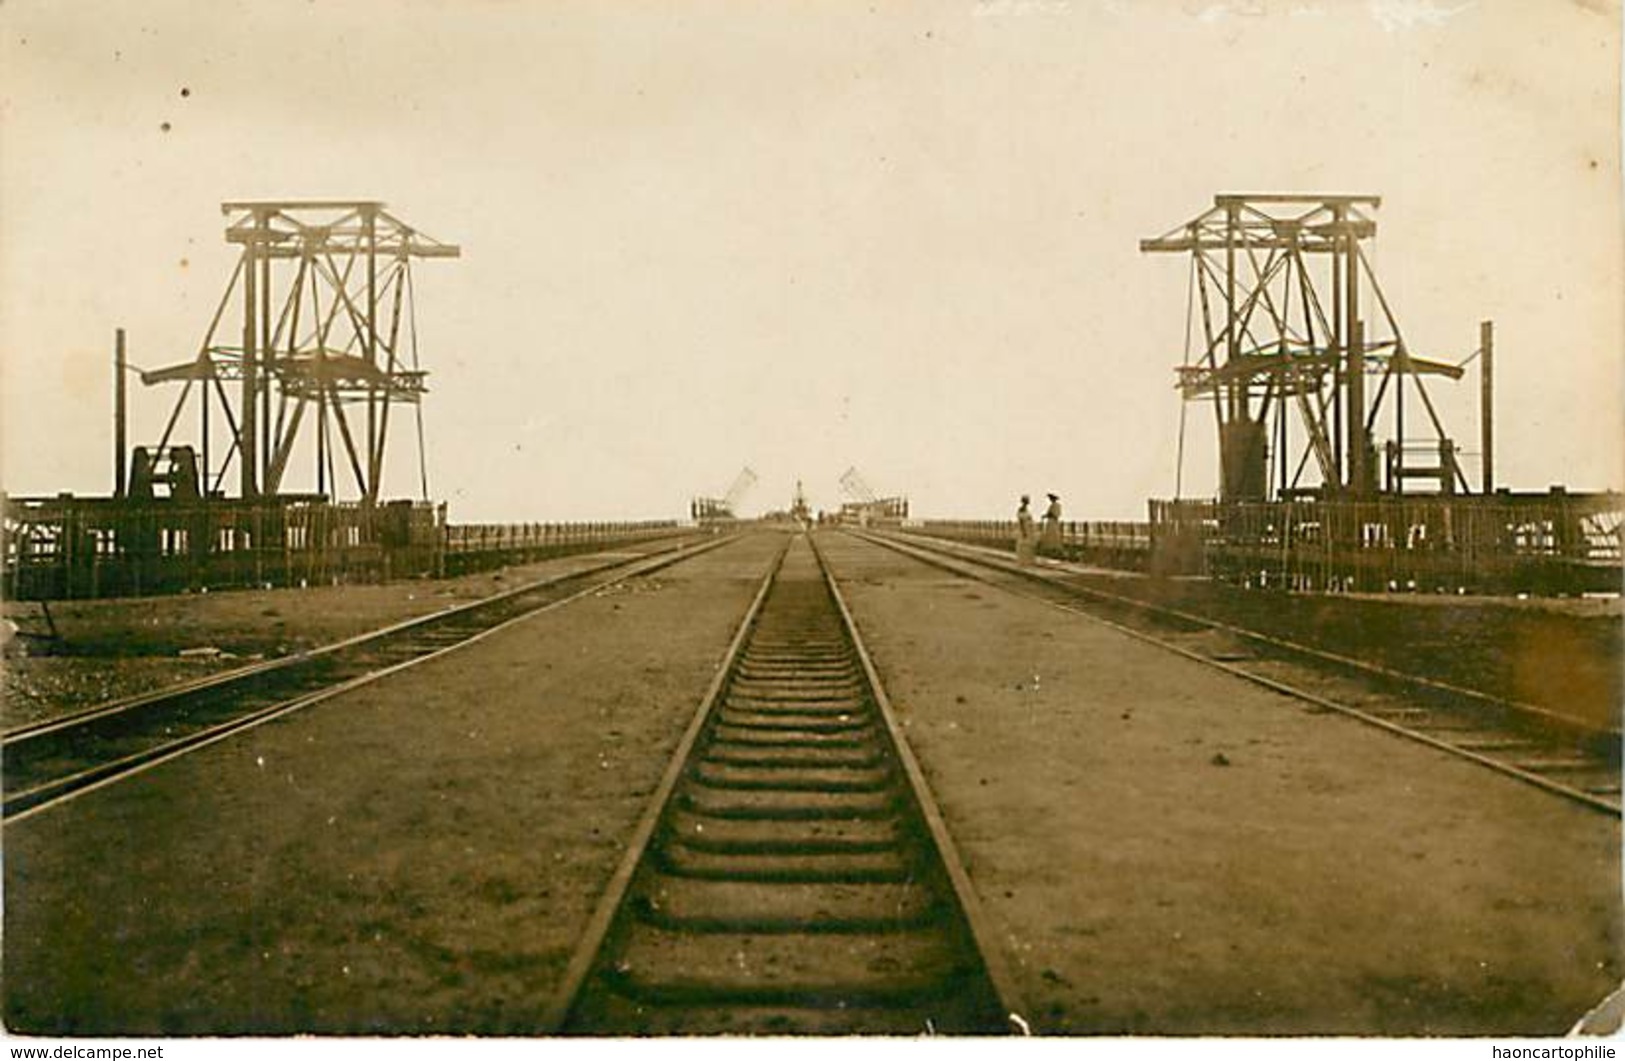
(1168, 850)
(418, 856)
(108, 649)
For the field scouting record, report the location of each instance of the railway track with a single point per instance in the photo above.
(55, 760)
(791, 874)
(1534, 745)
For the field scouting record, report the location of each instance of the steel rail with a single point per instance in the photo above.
(592, 939)
(21, 805)
(123, 704)
(946, 561)
(986, 941)
(998, 562)
(602, 968)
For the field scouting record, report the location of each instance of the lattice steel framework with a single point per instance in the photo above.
(856, 487)
(864, 505)
(1287, 357)
(723, 508)
(322, 306)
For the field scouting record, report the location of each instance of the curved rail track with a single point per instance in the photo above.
(1536, 746)
(54, 760)
(791, 874)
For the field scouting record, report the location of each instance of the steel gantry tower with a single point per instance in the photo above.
(317, 331)
(1300, 353)
(722, 508)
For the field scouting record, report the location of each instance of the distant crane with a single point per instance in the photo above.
(714, 509)
(864, 506)
(856, 487)
(741, 486)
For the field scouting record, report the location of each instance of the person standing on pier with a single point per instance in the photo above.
(1025, 540)
(1050, 543)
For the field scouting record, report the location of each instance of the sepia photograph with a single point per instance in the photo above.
(654, 525)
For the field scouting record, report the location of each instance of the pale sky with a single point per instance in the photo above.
(901, 236)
